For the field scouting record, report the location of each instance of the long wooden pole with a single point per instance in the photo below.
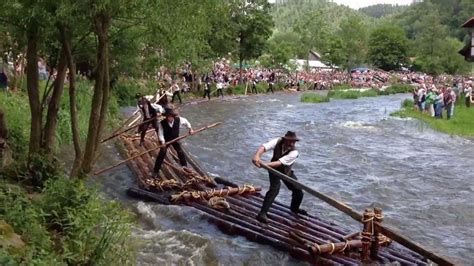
(128, 129)
(157, 147)
(126, 121)
(384, 229)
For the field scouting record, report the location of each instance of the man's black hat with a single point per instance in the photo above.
(290, 135)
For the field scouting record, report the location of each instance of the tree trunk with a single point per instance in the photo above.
(49, 133)
(66, 39)
(3, 126)
(105, 84)
(33, 90)
(101, 27)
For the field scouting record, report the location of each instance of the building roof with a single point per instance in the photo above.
(469, 23)
(310, 63)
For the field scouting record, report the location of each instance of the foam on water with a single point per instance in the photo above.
(357, 125)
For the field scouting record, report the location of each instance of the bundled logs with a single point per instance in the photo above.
(205, 195)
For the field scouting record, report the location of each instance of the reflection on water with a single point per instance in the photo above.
(349, 149)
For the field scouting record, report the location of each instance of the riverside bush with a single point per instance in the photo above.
(67, 224)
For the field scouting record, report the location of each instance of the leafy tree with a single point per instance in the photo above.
(388, 47)
(254, 26)
(354, 41)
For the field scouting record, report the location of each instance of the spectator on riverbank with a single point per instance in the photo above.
(468, 94)
(438, 104)
(449, 100)
(429, 99)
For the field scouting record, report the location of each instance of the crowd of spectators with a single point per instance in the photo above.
(433, 95)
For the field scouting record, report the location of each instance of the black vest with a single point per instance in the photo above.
(170, 133)
(277, 154)
(151, 110)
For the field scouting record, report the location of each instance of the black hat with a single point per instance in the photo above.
(290, 135)
(138, 95)
(169, 112)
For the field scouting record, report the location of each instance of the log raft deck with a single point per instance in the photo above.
(233, 208)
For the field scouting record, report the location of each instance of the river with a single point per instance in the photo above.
(350, 149)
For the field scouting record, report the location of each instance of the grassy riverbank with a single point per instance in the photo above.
(344, 91)
(355, 94)
(461, 124)
(311, 97)
(47, 218)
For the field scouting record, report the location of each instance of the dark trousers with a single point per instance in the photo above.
(220, 91)
(207, 93)
(144, 127)
(161, 156)
(270, 87)
(176, 94)
(254, 89)
(468, 101)
(296, 197)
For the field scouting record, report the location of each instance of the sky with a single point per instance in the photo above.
(356, 4)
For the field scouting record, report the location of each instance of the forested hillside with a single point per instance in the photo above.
(381, 10)
(425, 36)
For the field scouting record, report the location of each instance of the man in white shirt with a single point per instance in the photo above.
(284, 155)
(168, 131)
(219, 87)
(176, 92)
(148, 111)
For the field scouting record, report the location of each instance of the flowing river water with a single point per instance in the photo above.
(350, 149)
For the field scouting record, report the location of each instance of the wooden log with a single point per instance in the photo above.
(126, 121)
(377, 238)
(350, 236)
(254, 236)
(332, 248)
(384, 229)
(367, 234)
(282, 226)
(284, 217)
(311, 218)
(326, 230)
(143, 194)
(158, 147)
(289, 242)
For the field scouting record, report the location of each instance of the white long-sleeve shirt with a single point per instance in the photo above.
(288, 159)
(183, 122)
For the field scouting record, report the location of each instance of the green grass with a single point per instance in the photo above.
(461, 124)
(352, 94)
(311, 97)
(343, 91)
